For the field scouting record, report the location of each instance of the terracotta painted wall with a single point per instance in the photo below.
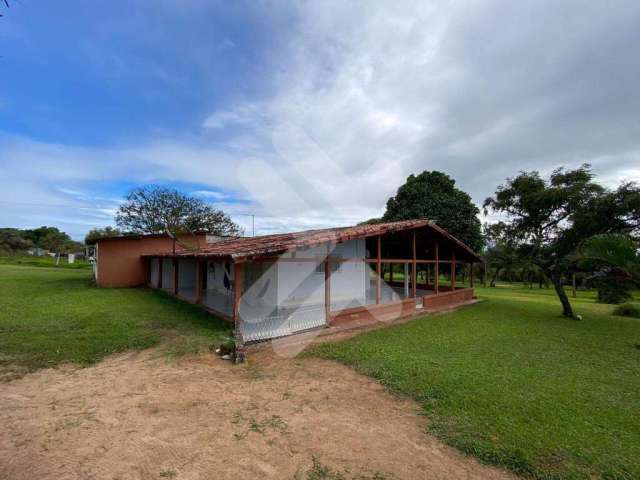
(120, 262)
(446, 299)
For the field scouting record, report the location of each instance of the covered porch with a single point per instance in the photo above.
(374, 277)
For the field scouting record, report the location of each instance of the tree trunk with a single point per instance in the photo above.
(493, 279)
(567, 311)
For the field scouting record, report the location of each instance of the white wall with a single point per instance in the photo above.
(348, 285)
(215, 276)
(303, 282)
(167, 273)
(154, 272)
(187, 275)
(260, 292)
(300, 283)
(351, 249)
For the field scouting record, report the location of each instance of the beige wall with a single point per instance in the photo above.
(120, 262)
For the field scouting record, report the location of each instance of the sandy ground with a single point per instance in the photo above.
(137, 416)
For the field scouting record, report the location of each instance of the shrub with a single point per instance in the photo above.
(627, 310)
(613, 290)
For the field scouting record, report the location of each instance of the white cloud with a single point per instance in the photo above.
(241, 114)
(369, 93)
(366, 93)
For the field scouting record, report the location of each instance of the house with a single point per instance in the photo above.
(276, 285)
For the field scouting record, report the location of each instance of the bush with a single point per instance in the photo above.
(613, 290)
(627, 310)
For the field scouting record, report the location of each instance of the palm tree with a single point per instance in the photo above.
(614, 260)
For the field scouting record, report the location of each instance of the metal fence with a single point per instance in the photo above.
(285, 321)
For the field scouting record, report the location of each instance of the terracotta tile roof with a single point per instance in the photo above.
(246, 248)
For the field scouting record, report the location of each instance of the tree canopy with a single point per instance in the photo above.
(548, 219)
(96, 233)
(167, 210)
(433, 195)
(11, 241)
(14, 240)
(52, 239)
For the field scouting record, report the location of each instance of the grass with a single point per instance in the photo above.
(515, 384)
(53, 315)
(45, 261)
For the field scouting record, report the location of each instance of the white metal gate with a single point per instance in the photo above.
(285, 322)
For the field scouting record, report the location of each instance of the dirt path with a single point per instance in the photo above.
(135, 416)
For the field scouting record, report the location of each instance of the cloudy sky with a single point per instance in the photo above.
(306, 114)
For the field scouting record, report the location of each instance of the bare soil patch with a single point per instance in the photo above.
(137, 416)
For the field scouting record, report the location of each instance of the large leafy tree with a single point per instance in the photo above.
(166, 210)
(547, 220)
(433, 195)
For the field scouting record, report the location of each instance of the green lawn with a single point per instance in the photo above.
(515, 384)
(44, 261)
(53, 315)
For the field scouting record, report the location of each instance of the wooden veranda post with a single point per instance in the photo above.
(327, 291)
(199, 273)
(453, 271)
(160, 262)
(175, 276)
(484, 278)
(437, 269)
(471, 274)
(379, 271)
(414, 272)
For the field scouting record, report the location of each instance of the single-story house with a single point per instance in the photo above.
(276, 285)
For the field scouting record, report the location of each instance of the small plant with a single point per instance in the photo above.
(256, 426)
(275, 422)
(321, 472)
(627, 310)
(168, 473)
(318, 471)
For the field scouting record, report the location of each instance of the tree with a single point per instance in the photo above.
(616, 262)
(433, 195)
(372, 221)
(12, 241)
(500, 254)
(166, 210)
(548, 219)
(50, 238)
(96, 233)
